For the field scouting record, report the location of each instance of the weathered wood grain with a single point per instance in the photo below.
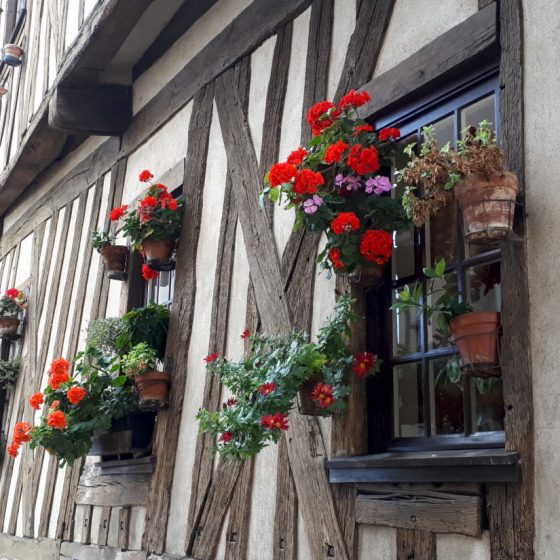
(416, 545)
(114, 490)
(17, 548)
(124, 519)
(85, 537)
(104, 520)
(180, 328)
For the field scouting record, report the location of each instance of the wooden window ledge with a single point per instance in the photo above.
(142, 465)
(480, 465)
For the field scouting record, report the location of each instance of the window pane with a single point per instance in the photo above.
(445, 130)
(483, 287)
(446, 384)
(406, 331)
(478, 111)
(443, 236)
(438, 333)
(488, 405)
(407, 387)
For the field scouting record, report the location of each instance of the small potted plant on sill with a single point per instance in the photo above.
(12, 54)
(336, 186)
(153, 227)
(114, 257)
(141, 364)
(475, 333)
(12, 303)
(9, 371)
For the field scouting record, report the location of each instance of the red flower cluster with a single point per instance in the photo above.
(59, 373)
(212, 357)
(149, 273)
(386, 134)
(267, 388)
(76, 394)
(324, 394)
(145, 176)
(230, 402)
(13, 449)
(315, 114)
(335, 256)
(148, 201)
(57, 419)
(363, 363)
(355, 98)
(278, 421)
(22, 434)
(296, 157)
(308, 181)
(345, 222)
(363, 128)
(335, 152)
(281, 173)
(376, 246)
(37, 400)
(245, 334)
(12, 293)
(363, 160)
(117, 213)
(226, 437)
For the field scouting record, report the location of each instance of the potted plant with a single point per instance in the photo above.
(114, 257)
(153, 227)
(104, 334)
(12, 303)
(140, 364)
(336, 186)
(9, 371)
(475, 333)
(12, 54)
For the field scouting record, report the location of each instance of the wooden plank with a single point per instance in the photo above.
(77, 551)
(114, 490)
(483, 3)
(17, 548)
(33, 64)
(124, 519)
(180, 327)
(55, 28)
(438, 512)
(103, 532)
(81, 11)
(85, 537)
(417, 545)
(63, 19)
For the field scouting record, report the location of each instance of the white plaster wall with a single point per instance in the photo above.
(541, 95)
(377, 542)
(415, 23)
(459, 547)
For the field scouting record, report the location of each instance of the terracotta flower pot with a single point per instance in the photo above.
(115, 259)
(366, 276)
(153, 386)
(3, 91)
(158, 253)
(476, 338)
(12, 54)
(488, 206)
(8, 325)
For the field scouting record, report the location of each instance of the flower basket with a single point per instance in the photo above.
(488, 206)
(154, 389)
(158, 253)
(306, 404)
(370, 277)
(476, 337)
(8, 326)
(12, 54)
(115, 259)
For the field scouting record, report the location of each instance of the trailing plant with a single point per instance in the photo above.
(12, 302)
(9, 371)
(336, 185)
(77, 406)
(140, 360)
(102, 239)
(105, 333)
(158, 215)
(265, 382)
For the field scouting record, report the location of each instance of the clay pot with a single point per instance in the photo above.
(8, 325)
(476, 338)
(153, 386)
(3, 91)
(488, 206)
(158, 253)
(115, 260)
(306, 404)
(366, 277)
(12, 54)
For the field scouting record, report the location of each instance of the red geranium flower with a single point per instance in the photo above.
(148, 201)
(296, 157)
(376, 246)
(355, 98)
(226, 437)
(212, 357)
(22, 432)
(57, 419)
(345, 222)
(281, 173)
(362, 128)
(149, 273)
(363, 160)
(275, 421)
(245, 334)
(335, 257)
(267, 388)
(335, 152)
(12, 293)
(13, 449)
(172, 204)
(230, 402)
(145, 176)
(163, 188)
(307, 181)
(386, 134)
(318, 110)
(37, 400)
(324, 394)
(57, 378)
(363, 363)
(76, 394)
(117, 213)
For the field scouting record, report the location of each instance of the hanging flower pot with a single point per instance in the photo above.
(153, 388)
(8, 326)
(306, 403)
(488, 206)
(3, 91)
(366, 277)
(115, 260)
(476, 338)
(12, 54)
(158, 253)
(11, 304)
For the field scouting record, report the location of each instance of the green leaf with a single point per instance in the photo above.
(274, 194)
(119, 381)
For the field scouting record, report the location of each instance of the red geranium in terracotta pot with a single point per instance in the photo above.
(12, 303)
(115, 257)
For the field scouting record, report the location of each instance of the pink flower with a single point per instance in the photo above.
(378, 185)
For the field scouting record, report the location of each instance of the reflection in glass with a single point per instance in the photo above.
(443, 237)
(447, 409)
(484, 109)
(160, 290)
(483, 287)
(407, 387)
(445, 130)
(488, 405)
(406, 330)
(438, 334)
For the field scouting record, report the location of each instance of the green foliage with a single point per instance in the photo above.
(10, 307)
(101, 239)
(104, 334)
(141, 359)
(287, 362)
(9, 371)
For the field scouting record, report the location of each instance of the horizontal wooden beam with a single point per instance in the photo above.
(114, 490)
(17, 548)
(75, 550)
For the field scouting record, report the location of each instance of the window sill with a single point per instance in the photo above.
(141, 465)
(479, 465)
